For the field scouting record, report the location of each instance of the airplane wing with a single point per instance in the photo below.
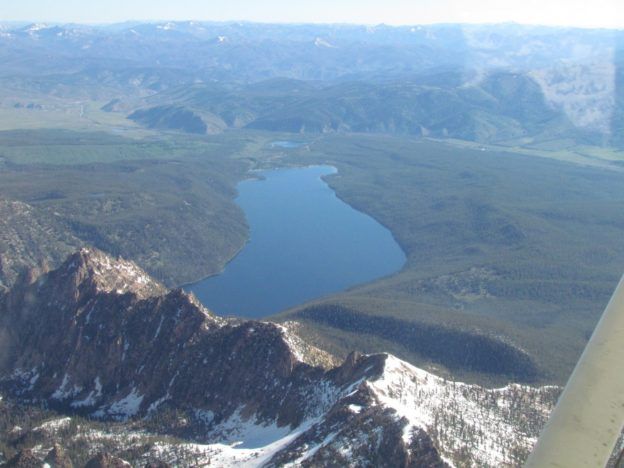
(588, 419)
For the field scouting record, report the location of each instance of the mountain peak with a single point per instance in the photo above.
(111, 275)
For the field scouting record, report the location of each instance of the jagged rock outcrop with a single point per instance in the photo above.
(98, 337)
(57, 458)
(105, 339)
(106, 460)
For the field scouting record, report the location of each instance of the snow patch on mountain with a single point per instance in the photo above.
(53, 425)
(122, 409)
(167, 26)
(92, 398)
(485, 415)
(320, 42)
(36, 27)
(242, 442)
(66, 390)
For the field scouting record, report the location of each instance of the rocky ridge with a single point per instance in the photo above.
(98, 338)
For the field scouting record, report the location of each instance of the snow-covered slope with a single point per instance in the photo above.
(393, 415)
(388, 413)
(498, 426)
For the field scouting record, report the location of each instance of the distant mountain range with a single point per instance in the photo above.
(99, 338)
(253, 52)
(482, 83)
(502, 106)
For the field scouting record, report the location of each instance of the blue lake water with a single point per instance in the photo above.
(304, 243)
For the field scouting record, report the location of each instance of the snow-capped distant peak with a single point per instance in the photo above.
(319, 42)
(166, 27)
(37, 27)
(196, 26)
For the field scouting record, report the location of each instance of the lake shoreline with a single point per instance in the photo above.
(304, 243)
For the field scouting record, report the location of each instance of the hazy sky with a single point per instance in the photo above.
(584, 13)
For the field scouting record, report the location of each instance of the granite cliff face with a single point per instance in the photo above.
(99, 338)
